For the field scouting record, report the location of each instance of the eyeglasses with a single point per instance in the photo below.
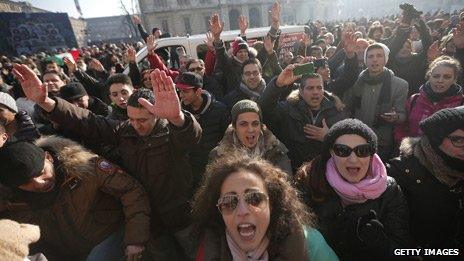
(196, 69)
(255, 200)
(254, 73)
(361, 151)
(457, 141)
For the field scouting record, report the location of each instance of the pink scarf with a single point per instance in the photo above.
(259, 254)
(371, 187)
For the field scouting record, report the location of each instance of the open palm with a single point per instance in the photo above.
(31, 84)
(167, 104)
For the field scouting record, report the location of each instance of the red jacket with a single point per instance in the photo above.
(210, 61)
(419, 107)
(156, 63)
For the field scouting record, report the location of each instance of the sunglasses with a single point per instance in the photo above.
(457, 141)
(255, 200)
(361, 151)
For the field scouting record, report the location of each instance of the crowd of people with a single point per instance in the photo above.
(239, 155)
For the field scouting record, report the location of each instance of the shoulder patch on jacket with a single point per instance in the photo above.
(107, 167)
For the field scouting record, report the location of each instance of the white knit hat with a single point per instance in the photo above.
(386, 50)
(8, 101)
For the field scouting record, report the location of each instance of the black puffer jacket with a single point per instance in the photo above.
(286, 120)
(338, 224)
(213, 118)
(436, 210)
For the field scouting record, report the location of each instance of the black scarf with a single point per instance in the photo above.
(438, 96)
(385, 92)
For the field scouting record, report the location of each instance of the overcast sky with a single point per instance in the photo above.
(90, 8)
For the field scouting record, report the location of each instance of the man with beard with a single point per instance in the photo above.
(304, 118)
(430, 172)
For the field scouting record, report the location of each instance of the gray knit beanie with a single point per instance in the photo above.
(245, 106)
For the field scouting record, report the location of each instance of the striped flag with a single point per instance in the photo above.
(78, 7)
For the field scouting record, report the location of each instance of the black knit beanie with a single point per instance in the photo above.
(442, 123)
(349, 126)
(245, 106)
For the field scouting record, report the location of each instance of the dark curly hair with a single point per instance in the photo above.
(288, 213)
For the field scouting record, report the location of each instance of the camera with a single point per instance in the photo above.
(409, 12)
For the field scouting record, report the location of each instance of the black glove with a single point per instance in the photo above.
(370, 231)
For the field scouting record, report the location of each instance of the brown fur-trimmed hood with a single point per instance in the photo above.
(74, 159)
(228, 147)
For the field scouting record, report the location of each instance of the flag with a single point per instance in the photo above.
(78, 7)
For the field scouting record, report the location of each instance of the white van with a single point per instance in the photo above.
(195, 47)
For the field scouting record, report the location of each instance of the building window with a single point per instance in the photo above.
(160, 3)
(165, 26)
(188, 28)
(183, 2)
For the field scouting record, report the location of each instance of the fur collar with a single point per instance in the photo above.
(407, 146)
(74, 159)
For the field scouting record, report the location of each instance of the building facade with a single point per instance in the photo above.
(110, 29)
(7, 6)
(181, 17)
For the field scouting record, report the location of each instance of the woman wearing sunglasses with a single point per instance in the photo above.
(430, 172)
(361, 211)
(248, 135)
(247, 210)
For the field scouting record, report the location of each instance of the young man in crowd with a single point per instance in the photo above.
(153, 147)
(79, 200)
(212, 116)
(251, 87)
(210, 84)
(76, 94)
(304, 118)
(378, 97)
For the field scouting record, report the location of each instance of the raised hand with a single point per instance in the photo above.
(151, 44)
(242, 24)
(131, 55)
(167, 104)
(286, 77)
(209, 40)
(134, 252)
(268, 44)
(349, 44)
(314, 132)
(434, 51)
(136, 19)
(458, 35)
(72, 67)
(96, 65)
(31, 84)
(275, 14)
(216, 27)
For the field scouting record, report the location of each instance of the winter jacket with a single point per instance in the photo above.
(211, 85)
(98, 107)
(419, 107)
(273, 150)
(117, 113)
(92, 199)
(287, 118)
(339, 224)
(345, 81)
(230, 67)
(411, 69)
(362, 101)
(436, 210)
(314, 247)
(156, 63)
(213, 118)
(92, 86)
(158, 161)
